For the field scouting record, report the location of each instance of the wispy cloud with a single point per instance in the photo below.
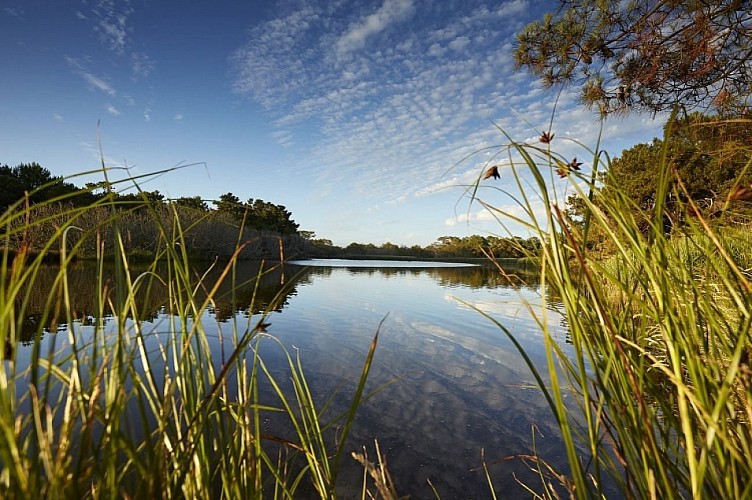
(99, 84)
(13, 12)
(147, 114)
(112, 110)
(275, 61)
(390, 12)
(178, 117)
(283, 137)
(92, 81)
(141, 65)
(393, 120)
(111, 23)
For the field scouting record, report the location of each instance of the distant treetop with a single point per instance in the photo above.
(645, 55)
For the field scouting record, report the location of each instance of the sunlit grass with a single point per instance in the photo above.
(130, 408)
(660, 332)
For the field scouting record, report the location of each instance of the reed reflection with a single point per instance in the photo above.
(252, 288)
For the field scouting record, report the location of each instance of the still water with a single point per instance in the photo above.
(456, 387)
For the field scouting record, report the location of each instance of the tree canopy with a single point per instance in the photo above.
(709, 162)
(194, 202)
(644, 55)
(33, 179)
(480, 246)
(707, 154)
(258, 214)
(41, 186)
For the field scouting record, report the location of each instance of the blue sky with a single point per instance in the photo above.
(351, 114)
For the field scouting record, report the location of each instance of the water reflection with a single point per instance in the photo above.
(453, 384)
(456, 384)
(253, 287)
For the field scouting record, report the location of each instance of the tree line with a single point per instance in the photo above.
(208, 232)
(39, 184)
(445, 247)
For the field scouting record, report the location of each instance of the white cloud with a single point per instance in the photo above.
(459, 43)
(112, 110)
(512, 8)
(283, 137)
(453, 221)
(467, 217)
(436, 50)
(178, 117)
(278, 61)
(99, 84)
(57, 117)
(110, 20)
(141, 65)
(147, 114)
(93, 81)
(111, 23)
(390, 12)
(95, 151)
(13, 12)
(392, 121)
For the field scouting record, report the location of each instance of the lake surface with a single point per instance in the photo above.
(457, 387)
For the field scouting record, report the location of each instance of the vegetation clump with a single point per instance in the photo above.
(650, 259)
(114, 405)
(38, 203)
(267, 230)
(659, 314)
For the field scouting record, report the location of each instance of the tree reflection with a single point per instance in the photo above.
(252, 288)
(486, 276)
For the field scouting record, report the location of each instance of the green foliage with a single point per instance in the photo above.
(139, 200)
(482, 246)
(194, 202)
(267, 216)
(230, 204)
(644, 55)
(258, 214)
(120, 408)
(708, 159)
(211, 233)
(654, 397)
(207, 235)
(708, 155)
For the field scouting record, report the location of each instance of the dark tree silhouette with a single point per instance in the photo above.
(38, 182)
(194, 202)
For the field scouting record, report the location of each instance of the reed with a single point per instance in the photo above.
(146, 409)
(661, 338)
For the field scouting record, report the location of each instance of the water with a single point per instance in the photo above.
(453, 386)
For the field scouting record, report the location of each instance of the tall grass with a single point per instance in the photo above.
(129, 408)
(661, 338)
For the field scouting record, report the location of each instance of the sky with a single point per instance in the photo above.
(366, 119)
